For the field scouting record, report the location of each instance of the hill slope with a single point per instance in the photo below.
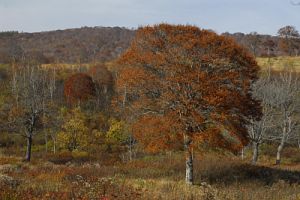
(101, 44)
(67, 46)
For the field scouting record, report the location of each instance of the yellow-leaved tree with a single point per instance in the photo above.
(74, 133)
(117, 136)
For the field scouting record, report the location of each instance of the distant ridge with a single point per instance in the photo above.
(86, 44)
(96, 44)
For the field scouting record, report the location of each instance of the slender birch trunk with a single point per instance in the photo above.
(189, 175)
(279, 150)
(28, 149)
(255, 152)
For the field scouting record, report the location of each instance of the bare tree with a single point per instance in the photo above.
(30, 88)
(51, 86)
(254, 40)
(269, 46)
(52, 82)
(103, 80)
(257, 129)
(285, 87)
(278, 93)
(289, 37)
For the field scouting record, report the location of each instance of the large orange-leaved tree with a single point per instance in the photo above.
(179, 82)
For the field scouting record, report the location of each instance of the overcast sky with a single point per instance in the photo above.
(263, 16)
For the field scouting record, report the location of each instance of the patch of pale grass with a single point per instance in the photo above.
(278, 63)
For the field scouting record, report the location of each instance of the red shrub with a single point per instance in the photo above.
(79, 87)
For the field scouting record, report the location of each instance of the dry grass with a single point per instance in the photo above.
(152, 177)
(278, 63)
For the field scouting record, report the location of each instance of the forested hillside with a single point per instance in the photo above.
(66, 46)
(101, 44)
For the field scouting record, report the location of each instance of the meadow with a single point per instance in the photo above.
(278, 63)
(218, 175)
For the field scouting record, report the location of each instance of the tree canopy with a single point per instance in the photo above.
(195, 78)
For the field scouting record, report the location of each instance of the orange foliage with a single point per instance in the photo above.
(200, 79)
(157, 133)
(79, 87)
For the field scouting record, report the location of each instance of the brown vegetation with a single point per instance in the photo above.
(153, 177)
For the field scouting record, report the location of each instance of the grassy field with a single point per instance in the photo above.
(278, 63)
(151, 177)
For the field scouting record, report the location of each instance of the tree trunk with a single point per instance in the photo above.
(279, 150)
(130, 148)
(243, 153)
(54, 146)
(282, 142)
(46, 141)
(255, 153)
(28, 150)
(188, 160)
(189, 168)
